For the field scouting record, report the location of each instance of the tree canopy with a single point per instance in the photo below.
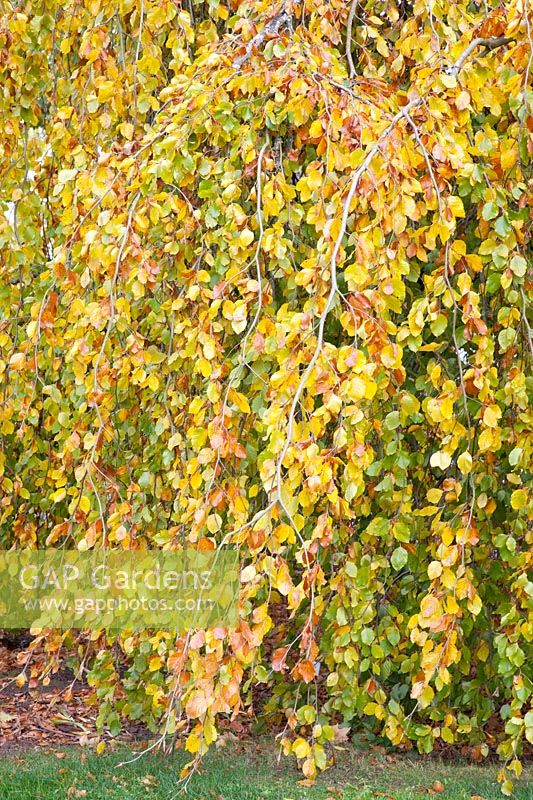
(266, 283)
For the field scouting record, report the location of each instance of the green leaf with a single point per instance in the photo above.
(399, 557)
(518, 266)
(490, 210)
(392, 421)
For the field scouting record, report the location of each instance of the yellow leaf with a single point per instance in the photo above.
(209, 349)
(315, 131)
(456, 206)
(519, 499)
(446, 408)
(462, 100)
(153, 382)
(491, 415)
(464, 462)
(485, 439)
(246, 237)
(240, 401)
(441, 459)
(155, 663)
(17, 361)
(58, 495)
(127, 130)
(192, 743)
(430, 606)
(204, 367)
(449, 81)
(452, 606)
(106, 90)
(300, 748)
(475, 605)
(434, 570)
(508, 158)
(333, 404)
(391, 356)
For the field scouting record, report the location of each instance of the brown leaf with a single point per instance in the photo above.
(278, 659)
(341, 733)
(306, 671)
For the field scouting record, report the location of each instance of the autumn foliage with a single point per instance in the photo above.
(265, 283)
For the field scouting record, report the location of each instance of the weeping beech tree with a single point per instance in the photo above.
(265, 284)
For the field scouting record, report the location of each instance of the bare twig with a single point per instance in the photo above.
(349, 27)
(96, 384)
(135, 67)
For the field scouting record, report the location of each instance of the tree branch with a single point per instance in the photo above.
(488, 44)
(349, 27)
(280, 20)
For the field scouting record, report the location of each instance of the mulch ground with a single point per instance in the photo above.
(51, 716)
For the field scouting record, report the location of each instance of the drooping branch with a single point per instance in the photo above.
(487, 43)
(349, 27)
(354, 183)
(281, 20)
(403, 113)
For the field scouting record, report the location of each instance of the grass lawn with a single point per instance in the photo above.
(247, 771)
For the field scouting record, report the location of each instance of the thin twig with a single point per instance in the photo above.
(349, 27)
